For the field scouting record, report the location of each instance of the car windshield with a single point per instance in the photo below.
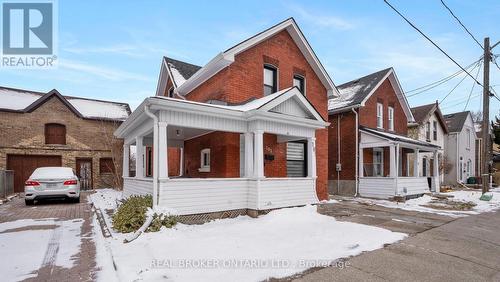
(52, 173)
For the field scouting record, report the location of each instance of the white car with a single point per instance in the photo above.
(52, 182)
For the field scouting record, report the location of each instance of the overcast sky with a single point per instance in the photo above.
(112, 50)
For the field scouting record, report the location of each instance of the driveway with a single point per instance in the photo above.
(438, 249)
(56, 220)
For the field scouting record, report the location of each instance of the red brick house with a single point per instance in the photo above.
(263, 110)
(368, 143)
(49, 129)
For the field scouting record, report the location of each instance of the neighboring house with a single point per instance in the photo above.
(430, 127)
(460, 148)
(250, 127)
(48, 129)
(368, 143)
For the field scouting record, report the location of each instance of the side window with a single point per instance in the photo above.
(434, 131)
(380, 115)
(390, 114)
(270, 80)
(299, 82)
(205, 160)
(428, 131)
(106, 165)
(55, 133)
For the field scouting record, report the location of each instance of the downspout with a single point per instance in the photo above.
(357, 153)
(155, 154)
(338, 153)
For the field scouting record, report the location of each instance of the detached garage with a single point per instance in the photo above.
(24, 165)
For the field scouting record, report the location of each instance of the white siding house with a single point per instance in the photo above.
(460, 148)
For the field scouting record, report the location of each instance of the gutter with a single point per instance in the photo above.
(357, 153)
(155, 153)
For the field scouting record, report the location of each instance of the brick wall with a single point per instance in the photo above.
(243, 80)
(386, 95)
(23, 133)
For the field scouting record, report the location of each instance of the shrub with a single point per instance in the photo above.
(131, 214)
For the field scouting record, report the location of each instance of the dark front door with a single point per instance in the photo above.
(24, 165)
(84, 173)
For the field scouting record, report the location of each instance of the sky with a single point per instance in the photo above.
(112, 50)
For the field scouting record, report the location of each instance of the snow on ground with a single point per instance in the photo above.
(26, 250)
(418, 204)
(279, 244)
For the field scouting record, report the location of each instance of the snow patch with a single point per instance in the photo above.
(16, 100)
(99, 109)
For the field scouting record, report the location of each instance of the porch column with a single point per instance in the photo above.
(249, 162)
(126, 156)
(361, 165)
(415, 162)
(258, 158)
(393, 172)
(311, 157)
(162, 150)
(436, 177)
(139, 157)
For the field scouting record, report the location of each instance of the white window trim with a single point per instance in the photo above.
(204, 168)
(434, 130)
(168, 92)
(277, 76)
(304, 80)
(390, 116)
(381, 151)
(381, 116)
(428, 131)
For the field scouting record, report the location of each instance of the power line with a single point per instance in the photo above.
(460, 22)
(472, 89)
(430, 40)
(458, 84)
(439, 82)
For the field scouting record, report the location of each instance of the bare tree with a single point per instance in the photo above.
(115, 145)
(477, 116)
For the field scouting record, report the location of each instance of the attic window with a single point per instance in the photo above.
(270, 80)
(299, 82)
(171, 92)
(55, 133)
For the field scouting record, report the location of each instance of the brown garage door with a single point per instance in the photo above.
(24, 165)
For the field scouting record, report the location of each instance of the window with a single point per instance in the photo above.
(55, 134)
(205, 161)
(171, 92)
(299, 82)
(468, 138)
(380, 115)
(106, 165)
(378, 162)
(428, 131)
(390, 114)
(270, 80)
(434, 131)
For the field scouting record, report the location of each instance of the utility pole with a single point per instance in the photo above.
(485, 128)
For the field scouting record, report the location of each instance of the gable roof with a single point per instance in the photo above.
(25, 101)
(355, 93)
(227, 57)
(456, 121)
(180, 71)
(424, 112)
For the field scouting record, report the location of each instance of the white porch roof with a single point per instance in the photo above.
(373, 138)
(286, 112)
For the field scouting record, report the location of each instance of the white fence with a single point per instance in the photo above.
(196, 195)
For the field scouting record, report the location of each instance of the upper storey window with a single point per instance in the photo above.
(171, 92)
(299, 82)
(55, 134)
(380, 115)
(270, 80)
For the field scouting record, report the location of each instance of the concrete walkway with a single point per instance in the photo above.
(467, 249)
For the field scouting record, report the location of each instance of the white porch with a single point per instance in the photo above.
(162, 122)
(379, 178)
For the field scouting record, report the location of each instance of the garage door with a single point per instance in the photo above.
(24, 165)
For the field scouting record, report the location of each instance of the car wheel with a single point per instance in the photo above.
(29, 202)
